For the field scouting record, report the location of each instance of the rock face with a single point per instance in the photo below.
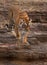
(29, 5)
(38, 16)
(12, 50)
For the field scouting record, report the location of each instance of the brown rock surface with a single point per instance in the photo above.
(37, 39)
(11, 49)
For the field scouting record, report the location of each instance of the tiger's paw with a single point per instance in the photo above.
(26, 45)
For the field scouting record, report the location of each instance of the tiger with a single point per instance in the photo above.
(15, 14)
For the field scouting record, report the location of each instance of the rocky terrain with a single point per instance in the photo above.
(12, 51)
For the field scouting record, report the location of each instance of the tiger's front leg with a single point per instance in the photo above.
(17, 32)
(16, 28)
(27, 30)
